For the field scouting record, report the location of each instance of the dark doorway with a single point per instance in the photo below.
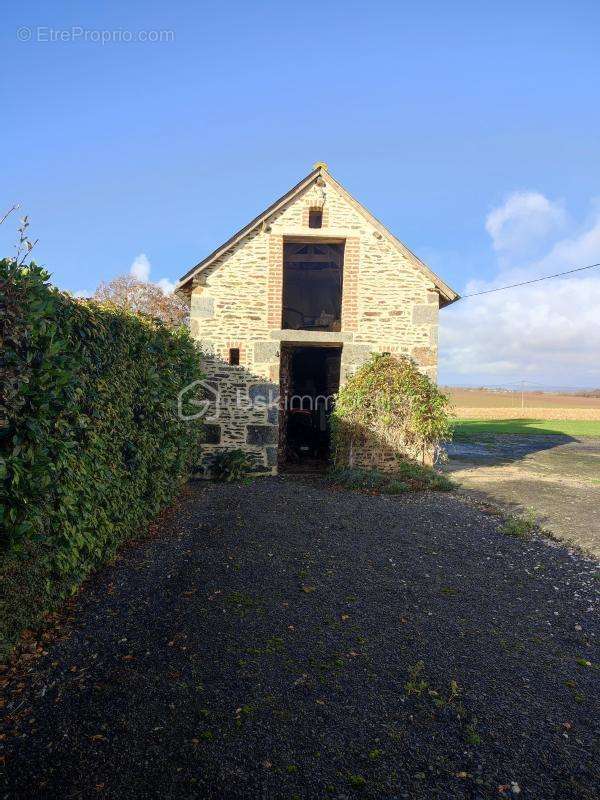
(310, 377)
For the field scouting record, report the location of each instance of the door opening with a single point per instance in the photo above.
(310, 377)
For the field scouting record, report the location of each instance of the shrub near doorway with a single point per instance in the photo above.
(408, 477)
(388, 411)
(91, 444)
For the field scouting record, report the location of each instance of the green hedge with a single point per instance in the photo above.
(91, 444)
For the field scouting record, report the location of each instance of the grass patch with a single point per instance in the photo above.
(357, 781)
(476, 428)
(471, 735)
(240, 603)
(407, 477)
(520, 526)
(416, 684)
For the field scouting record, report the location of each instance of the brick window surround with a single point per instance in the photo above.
(350, 284)
(232, 344)
(306, 215)
(275, 281)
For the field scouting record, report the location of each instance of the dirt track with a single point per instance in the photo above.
(490, 412)
(482, 398)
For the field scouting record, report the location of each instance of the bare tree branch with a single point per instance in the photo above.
(125, 291)
(9, 212)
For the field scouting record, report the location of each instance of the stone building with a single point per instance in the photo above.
(294, 302)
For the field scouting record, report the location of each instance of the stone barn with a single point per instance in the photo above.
(290, 305)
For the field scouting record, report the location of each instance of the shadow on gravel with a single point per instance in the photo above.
(556, 475)
(494, 444)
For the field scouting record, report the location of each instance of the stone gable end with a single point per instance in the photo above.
(388, 305)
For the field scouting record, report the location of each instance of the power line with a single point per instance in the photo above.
(526, 283)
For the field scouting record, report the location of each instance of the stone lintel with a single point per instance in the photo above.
(303, 337)
(265, 352)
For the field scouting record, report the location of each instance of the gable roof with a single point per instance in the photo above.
(447, 295)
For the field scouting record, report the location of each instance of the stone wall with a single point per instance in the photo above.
(388, 305)
(367, 451)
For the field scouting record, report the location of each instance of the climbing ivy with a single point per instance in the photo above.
(389, 404)
(91, 445)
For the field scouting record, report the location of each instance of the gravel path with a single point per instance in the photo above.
(286, 640)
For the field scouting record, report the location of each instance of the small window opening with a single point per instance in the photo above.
(234, 356)
(315, 218)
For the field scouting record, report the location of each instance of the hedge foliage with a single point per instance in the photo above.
(389, 404)
(91, 444)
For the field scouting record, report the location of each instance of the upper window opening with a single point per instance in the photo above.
(312, 286)
(234, 356)
(315, 218)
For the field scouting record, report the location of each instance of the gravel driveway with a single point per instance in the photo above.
(286, 640)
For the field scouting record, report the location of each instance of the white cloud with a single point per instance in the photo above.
(166, 285)
(523, 222)
(547, 333)
(141, 268)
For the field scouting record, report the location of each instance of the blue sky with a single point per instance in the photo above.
(434, 115)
